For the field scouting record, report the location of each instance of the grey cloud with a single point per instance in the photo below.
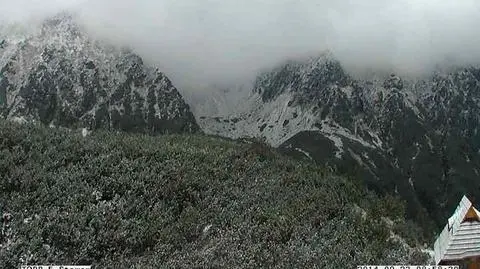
(203, 41)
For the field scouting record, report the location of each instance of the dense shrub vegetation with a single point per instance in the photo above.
(183, 201)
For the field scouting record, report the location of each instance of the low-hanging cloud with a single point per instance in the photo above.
(223, 41)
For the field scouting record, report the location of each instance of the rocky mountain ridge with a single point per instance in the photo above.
(59, 75)
(418, 138)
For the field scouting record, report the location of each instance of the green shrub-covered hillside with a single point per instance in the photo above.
(117, 200)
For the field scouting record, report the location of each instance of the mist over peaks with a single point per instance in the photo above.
(198, 43)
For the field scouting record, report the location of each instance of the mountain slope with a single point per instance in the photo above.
(415, 137)
(58, 75)
(184, 201)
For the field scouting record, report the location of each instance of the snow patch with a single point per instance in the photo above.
(410, 181)
(304, 152)
(357, 158)
(335, 132)
(20, 120)
(85, 132)
(207, 228)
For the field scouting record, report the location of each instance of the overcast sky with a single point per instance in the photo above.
(223, 40)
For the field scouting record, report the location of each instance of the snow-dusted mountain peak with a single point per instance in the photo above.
(398, 134)
(60, 75)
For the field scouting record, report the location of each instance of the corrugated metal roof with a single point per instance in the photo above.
(458, 239)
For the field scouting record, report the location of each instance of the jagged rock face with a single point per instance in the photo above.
(417, 138)
(307, 79)
(59, 76)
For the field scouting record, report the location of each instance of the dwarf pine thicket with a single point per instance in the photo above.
(118, 200)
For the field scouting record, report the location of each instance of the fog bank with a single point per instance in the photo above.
(200, 42)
